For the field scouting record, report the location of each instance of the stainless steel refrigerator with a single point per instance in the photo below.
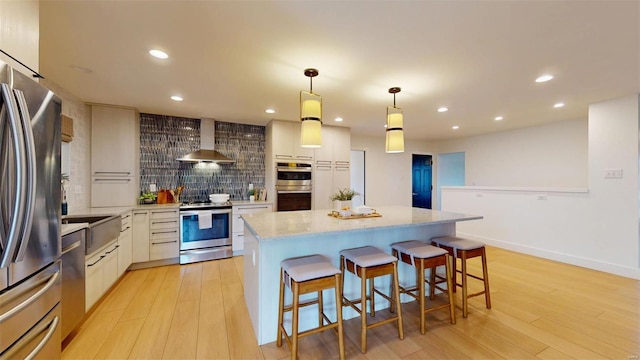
(30, 189)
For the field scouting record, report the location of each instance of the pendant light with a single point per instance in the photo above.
(310, 114)
(395, 134)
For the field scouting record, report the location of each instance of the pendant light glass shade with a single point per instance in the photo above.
(395, 132)
(310, 115)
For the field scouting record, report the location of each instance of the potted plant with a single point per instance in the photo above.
(147, 197)
(342, 198)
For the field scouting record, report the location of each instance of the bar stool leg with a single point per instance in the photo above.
(465, 300)
(363, 310)
(485, 275)
(372, 303)
(294, 325)
(320, 309)
(338, 291)
(280, 310)
(396, 290)
(448, 273)
(421, 294)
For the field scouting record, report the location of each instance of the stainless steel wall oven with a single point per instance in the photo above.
(205, 232)
(294, 186)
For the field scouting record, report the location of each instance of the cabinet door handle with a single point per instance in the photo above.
(253, 207)
(323, 162)
(342, 163)
(303, 157)
(127, 228)
(113, 172)
(112, 250)
(164, 242)
(97, 261)
(164, 222)
(111, 180)
(284, 156)
(164, 232)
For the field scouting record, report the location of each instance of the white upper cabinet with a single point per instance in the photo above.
(286, 141)
(336, 146)
(114, 141)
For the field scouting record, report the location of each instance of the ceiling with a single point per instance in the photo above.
(230, 60)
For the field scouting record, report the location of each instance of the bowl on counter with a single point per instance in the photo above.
(219, 198)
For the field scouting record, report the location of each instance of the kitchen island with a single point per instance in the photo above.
(272, 237)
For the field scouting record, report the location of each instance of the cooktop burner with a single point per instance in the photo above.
(205, 205)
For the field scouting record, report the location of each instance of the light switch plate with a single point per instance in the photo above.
(612, 173)
(153, 188)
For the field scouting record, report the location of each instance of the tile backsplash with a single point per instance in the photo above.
(163, 139)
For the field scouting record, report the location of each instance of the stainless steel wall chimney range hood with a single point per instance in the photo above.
(207, 145)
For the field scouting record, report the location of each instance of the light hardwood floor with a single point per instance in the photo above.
(541, 309)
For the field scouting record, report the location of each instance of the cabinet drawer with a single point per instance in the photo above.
(113, 191)
(126, 221)
(164, 214)
(238, 224)
(165, 249)
(163, 235)
(163, 224)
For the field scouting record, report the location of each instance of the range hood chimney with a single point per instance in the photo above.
(207, 145)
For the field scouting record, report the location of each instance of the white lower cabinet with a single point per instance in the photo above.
(125, 242)
(140, 234)
(101, 272)
(164, 234)
(237, 226)
(156, 234)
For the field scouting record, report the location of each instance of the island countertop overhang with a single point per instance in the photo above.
(280, 225)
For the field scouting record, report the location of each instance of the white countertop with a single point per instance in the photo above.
(69, 228)
(273, 225)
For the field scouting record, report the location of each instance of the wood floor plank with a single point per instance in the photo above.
(91, 337)
(228, 272)
(213, 342)
(125, 290)
(191, 283)
(552, 354)
(120, 340)
(182, 339)
(242, 341)
(210, 270)
(146, 293)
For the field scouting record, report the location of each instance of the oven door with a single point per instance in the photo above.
(293, 200)
(196, 233)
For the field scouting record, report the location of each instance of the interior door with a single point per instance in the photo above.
(421, 180)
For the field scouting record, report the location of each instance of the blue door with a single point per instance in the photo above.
(421, 180)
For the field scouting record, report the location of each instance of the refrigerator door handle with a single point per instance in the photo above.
(30, 154)
(31, 299)
(29, 337)
(16, 218)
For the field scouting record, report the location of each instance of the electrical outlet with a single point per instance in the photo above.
(542, 197)
(153, 188)
(478, 195)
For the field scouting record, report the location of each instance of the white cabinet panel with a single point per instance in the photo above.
(323, 186)
(125, 242)
(140, 227)
(106, 191)
(237, 227)
(286, 141)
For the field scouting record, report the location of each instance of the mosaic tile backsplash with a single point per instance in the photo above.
(163, 139)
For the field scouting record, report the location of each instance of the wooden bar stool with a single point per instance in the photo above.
(369, 262)
(424, 256)
(464, 249)
(304, 275)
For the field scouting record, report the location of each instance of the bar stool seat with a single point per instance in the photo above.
(304, 275)
(424, 256)
(369, 262)
(464, 249)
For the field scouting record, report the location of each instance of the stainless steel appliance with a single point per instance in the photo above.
(30, 207)
(293, 186)
(205, 232)
(73, 277)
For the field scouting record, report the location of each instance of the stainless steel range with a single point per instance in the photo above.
(205, 231)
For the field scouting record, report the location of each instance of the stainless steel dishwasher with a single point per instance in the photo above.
(73, 251)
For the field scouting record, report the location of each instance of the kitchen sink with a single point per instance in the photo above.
(102, 229)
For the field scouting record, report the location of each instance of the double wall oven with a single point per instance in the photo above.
(293, 186)
(205, 232)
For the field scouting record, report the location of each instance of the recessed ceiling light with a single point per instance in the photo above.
(455, 127)
(270, 111)
(339, 119)
(498, 118)
(558, 105)
(158, 54)
(544, 78)
(81, 69)
(176, 98)
(443, 109)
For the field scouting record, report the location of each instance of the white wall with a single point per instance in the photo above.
(548, 155)
(388, 176)
(20, 32)
(595, 227)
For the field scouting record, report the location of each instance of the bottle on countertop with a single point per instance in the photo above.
(64, 202)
